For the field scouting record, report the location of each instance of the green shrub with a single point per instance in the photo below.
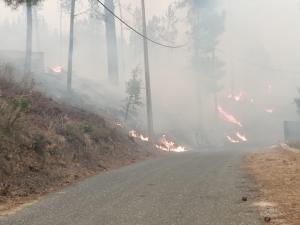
(39, 143)
(86, 128)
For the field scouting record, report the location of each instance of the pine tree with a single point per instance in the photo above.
(133, 91)
(29, 4)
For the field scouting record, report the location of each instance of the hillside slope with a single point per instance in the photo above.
(45, 145)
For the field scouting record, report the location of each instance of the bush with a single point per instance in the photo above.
(86, 128)
(74, 135)
(12, 111)
(39, 144)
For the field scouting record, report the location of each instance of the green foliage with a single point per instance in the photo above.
(87, 128)
(21, 103)
(133, 91)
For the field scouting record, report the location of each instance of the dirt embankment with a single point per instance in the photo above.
(45, 145)
(276, 171)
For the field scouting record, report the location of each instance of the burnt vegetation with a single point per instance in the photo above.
(45, 144)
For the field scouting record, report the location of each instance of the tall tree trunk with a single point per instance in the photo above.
(28, 56)
(122, 39)
(71, 46)
(112, 48)
(60, 32)
(36, 27)
(147, 75)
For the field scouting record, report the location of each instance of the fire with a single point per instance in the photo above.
(228, 117)
(57, 69)
(269, 111)
(143, 138)
(241, 137)
(119, 125)
(237, 97)
(135, 134)
(170, 146)
(232, 140)
(164, 144)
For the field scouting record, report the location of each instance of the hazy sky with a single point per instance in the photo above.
(259, 35)
(50, 9)
(271, 24)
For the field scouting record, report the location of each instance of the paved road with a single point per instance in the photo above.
(186, 189)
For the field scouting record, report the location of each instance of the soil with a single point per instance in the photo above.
(276, 171)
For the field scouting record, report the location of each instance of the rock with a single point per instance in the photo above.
(8, 157)
(33, 169)
(244, 199)
(267, 219)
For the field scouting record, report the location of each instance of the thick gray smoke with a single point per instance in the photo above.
(239, 56)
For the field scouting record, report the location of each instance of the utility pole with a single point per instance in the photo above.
(147, 75)
(71, 46)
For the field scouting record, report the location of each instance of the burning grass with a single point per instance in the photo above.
(163, 143)
(45, 145)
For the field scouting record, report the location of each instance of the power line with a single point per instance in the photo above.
(134, 30)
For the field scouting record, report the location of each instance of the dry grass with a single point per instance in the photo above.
(45, 145)
(277, 175)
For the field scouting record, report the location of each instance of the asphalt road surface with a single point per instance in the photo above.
(184, 189)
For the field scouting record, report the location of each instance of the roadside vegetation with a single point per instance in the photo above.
(45, 145)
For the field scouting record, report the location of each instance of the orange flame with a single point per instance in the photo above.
(135, 134)
(269, 111)
(238, 97)
(228, 117)
(119, 125)
(170, 146)
(57, 69)
(232, 140)
(164, 144)
(241, 137)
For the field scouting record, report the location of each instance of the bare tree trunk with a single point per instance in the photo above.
(28, 56)
(112, 48)
(122, 39)
(36, 27)
(60, 33)
(147, 76)
(127, 109)
(71, 46)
